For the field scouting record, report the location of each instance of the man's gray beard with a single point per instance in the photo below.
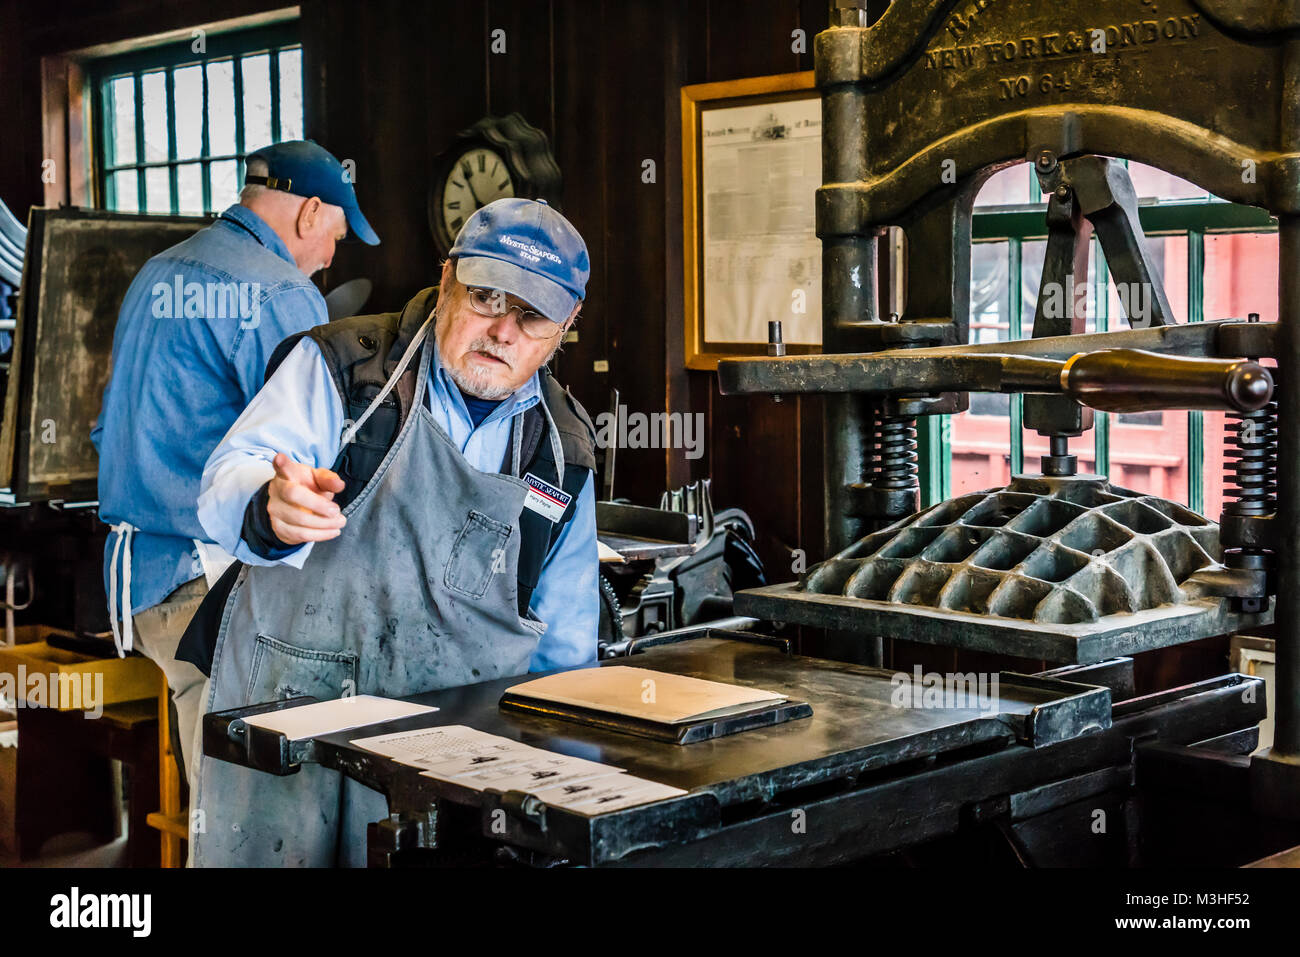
(479, 383)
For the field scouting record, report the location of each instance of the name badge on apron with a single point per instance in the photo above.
(545, 499)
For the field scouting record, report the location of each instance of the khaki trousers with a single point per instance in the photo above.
(158, 631)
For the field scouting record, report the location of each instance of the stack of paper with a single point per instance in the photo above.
(477, 760)
(640, 693)
(341, 714)
(426, 746)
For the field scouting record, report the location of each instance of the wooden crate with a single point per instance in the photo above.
(25, 634)
(42, 676)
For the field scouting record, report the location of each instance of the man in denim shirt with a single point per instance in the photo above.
(193, 337)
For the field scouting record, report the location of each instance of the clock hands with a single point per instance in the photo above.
(478, 203)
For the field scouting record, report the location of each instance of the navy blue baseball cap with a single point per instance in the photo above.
(527, 249)
(305, 168)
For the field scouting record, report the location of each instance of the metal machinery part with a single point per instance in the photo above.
(1062, 569)
(676, 588)
(919, 109)
(1035, 764)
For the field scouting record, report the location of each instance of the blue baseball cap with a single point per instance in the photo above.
(527, 249)
(305, 168)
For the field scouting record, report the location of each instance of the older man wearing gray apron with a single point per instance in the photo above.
(454, 544)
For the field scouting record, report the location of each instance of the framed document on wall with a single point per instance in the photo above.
(751, 166)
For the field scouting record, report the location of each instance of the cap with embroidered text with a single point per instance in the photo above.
(525, 248)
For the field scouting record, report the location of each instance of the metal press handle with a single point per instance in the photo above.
(1128, 380)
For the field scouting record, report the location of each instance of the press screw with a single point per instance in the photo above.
(1046, 161)
(775, 344)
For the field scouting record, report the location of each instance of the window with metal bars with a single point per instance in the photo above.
(1217, 259)
(175, 123)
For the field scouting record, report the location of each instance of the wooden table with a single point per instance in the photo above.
(65, 779)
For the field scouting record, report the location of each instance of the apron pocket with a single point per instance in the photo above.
(479, 548)
(281, 670)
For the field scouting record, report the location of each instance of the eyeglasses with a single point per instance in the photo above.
(492, 302)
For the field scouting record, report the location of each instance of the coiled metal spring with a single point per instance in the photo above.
(894, 459)
(1250, 454)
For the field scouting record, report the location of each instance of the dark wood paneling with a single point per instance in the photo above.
(634, 229)
(384, 73)
(752, 38)
(523, 77)
(763, 457)
(585, 114)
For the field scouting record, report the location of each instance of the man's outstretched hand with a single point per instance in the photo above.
(300, 502)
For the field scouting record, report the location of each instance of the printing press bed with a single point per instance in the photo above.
(861, 780)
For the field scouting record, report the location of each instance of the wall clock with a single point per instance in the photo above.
(497, 157)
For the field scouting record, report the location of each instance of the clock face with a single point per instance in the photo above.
(478, 177)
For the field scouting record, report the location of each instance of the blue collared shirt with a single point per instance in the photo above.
(195, 331)
(299, 412)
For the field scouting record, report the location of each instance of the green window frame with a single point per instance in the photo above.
(113, 173)
(1194, 219)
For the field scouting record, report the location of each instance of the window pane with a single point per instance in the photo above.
(1214, 434)
(224, 190)
(1169, 259)
(157, 190)
(291, 94)
(189, 188)
(1241, 275)
(153, 88)
(1150, 458)
(1032, 255)
(257, 101)
(981, 436)
(1152, 183)
(221, 108)
(121, 114)
(990, 318)
(125, 197)
(1009, 187)
(188, 82)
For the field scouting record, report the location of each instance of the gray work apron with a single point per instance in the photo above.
(418, 593)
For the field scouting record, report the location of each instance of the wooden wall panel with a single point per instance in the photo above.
(585, 112)
(375, 71)
(634, 249)
(764, 457)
